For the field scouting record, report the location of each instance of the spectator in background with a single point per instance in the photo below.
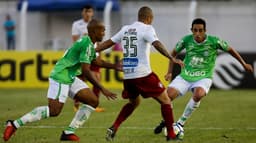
(79, 29)
(9, 26)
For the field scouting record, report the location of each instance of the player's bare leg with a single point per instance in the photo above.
(172, 94)
(167, 113)
(42, 112)
(96, 90)
(192, 105)
(89, 103)
(76, 105)
(126, 111)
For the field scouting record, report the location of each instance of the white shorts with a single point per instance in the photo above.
(183, 86)
(61, 91)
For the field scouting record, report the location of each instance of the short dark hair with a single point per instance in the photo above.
(87, 7)
(144, 12)
(199, 21)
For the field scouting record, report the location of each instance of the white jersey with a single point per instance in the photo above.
(136, 40)
(79, 27)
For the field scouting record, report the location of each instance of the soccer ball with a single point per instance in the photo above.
(178, 130)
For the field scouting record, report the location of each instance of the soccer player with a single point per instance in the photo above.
(79, 29)
(136, 40)
(79, 26)
(63, 82)
(201, 52)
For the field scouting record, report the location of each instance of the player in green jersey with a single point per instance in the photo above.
(201, 52)
(63, 82)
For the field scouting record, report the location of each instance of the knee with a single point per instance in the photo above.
(198, 94)
(172, 93)
(197, 98)
(93, 102)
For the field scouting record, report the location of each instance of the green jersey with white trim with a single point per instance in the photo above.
(69, 66)
(200, 57)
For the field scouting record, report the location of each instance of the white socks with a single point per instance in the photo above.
(81, 116)
(36, 114)
(191, 106)
(42, 112)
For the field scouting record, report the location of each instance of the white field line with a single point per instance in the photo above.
(144, 128)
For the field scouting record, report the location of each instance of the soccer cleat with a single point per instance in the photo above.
(9, 130)
(69, 137)
(99, 109)
(179, 131)
(111, 132)
(160, 127)
(180, 124)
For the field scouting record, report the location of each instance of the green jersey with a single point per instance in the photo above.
(200, 57)
(69, 66)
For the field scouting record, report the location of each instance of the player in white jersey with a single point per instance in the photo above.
(79, 29)
(136, 40)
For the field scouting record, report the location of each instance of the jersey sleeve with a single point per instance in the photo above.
(75, 30)
(87, 53)
(150, 34)
(118, 36)
(221, 44)
(180, 46)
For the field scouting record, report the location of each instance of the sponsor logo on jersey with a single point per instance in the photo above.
(195, 74)
(129, 70)
(130, 62)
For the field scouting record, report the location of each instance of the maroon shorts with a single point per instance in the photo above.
(149, 86)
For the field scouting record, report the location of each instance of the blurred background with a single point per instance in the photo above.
(49, 27)
(46, 26)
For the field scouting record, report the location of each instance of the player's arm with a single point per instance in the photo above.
(161, 49)
(75, 37)
(236, 55)
(104, 64)
(75, 32)
(105, 45)
(168, 75)
(86, 73)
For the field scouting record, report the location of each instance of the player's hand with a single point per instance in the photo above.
(168, 76)
(108, 94)
(248, 68)
(178, 61)
(119, 65)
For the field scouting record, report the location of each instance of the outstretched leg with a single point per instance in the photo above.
(38, 113)
(192, 105)
(167, 113)
(89, 103)
(126, 111)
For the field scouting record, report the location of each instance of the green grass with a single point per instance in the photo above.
(223, 117)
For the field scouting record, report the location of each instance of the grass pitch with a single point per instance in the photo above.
(223, 117)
